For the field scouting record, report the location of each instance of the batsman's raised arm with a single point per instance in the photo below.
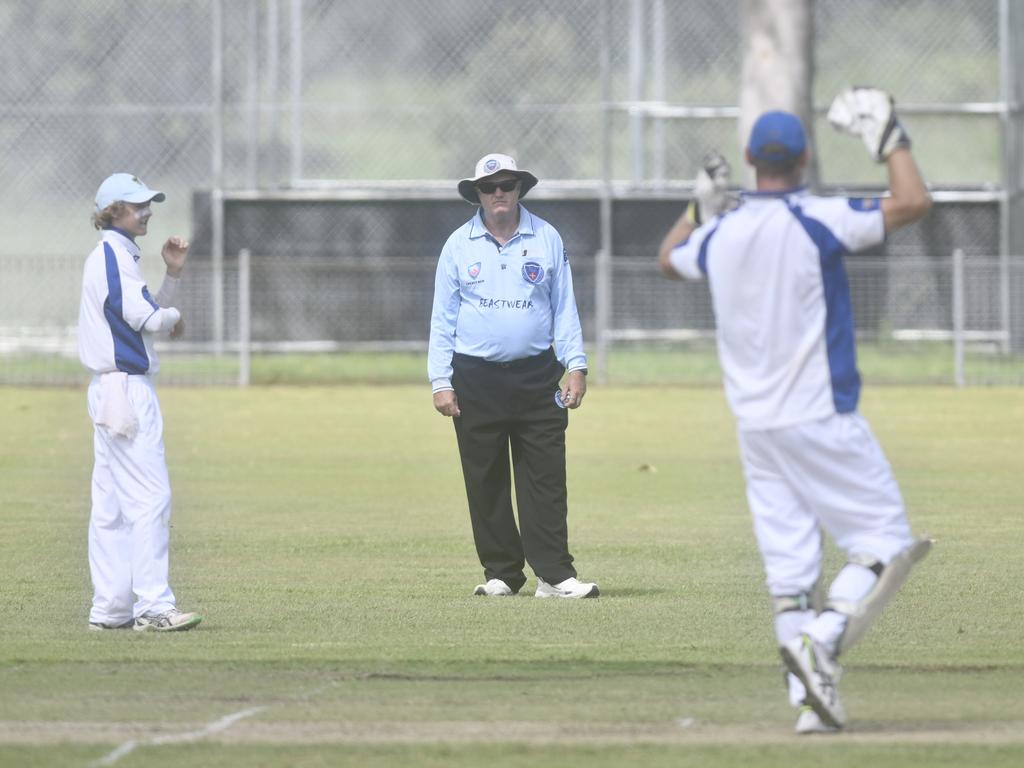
(909, 198)
(870, 113)
(711, 198)
(679, 233)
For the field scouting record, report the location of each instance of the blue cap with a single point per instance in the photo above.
(126, 188)
(777, 137)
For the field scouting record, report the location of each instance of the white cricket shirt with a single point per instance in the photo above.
(781, 300)
(115, 305)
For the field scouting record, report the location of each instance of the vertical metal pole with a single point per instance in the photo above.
(296, 95)
(658, 86)
(958, 317)
(217, 174)
(636, 89)
(244, 317)
(252, 73)
(1008, 91)
(272, 91)
(603, 263)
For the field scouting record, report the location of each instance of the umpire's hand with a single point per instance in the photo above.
(574, 390)
(446, 403)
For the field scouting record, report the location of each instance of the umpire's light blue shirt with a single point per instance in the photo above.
(503, 302)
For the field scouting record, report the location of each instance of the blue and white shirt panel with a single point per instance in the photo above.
(115, 306)
(503, 302)
(782, 302)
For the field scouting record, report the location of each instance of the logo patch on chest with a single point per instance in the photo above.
(533, 272)
(474, 269)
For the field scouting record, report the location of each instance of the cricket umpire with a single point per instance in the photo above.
(131, 494)
(503, 331)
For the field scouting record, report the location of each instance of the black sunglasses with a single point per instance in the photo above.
(488, 187)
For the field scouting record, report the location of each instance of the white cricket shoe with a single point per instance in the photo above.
(820, 675)
(168, 621)
(493, 588)
(808, 722)
(571, 587)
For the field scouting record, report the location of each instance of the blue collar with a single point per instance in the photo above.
(526, 227)
(121, 232)
(128, 243)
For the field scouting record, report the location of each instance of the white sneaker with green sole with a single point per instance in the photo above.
(168, 621)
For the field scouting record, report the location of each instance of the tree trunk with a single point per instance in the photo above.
(778, 68)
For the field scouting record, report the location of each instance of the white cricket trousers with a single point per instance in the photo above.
(131, 508)
(827, 474)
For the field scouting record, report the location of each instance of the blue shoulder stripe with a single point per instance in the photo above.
(129, 349)
(839, 326)
(702, 253)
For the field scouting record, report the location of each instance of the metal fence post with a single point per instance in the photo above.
(1009, 172)
(217, 176)
(272, 95)
(603, 260)
(658, 27)
(637, 82)
(958, 318)
(252, 96)
(244, 317)
(296, 94)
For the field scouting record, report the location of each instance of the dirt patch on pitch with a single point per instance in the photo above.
(255, 731)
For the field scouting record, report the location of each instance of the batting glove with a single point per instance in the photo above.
(870, 114)
(711, 189)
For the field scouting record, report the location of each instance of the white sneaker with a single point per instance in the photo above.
(168, 621)
(820, 674)
(808, 722)
(494, 588)
(571, 587)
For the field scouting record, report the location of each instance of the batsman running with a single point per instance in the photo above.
(785, 334)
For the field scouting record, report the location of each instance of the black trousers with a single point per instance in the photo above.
(512, 406)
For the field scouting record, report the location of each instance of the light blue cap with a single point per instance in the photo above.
(127, 188)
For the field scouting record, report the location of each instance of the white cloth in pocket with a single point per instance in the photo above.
(115, 411)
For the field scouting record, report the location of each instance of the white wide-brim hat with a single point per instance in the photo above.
(488, 165)
(126, 188)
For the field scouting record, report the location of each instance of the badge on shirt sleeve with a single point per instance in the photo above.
(865, 203)
(533, 272)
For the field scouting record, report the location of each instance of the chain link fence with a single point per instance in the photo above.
(325, 137)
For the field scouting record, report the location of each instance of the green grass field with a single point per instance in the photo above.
(323, 533)
(691, 363)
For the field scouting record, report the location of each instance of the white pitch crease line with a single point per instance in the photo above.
(116, 755)
(174, 738)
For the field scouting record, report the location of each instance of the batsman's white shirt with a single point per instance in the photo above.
(786, 344)
(782, 302)
(116, 305)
